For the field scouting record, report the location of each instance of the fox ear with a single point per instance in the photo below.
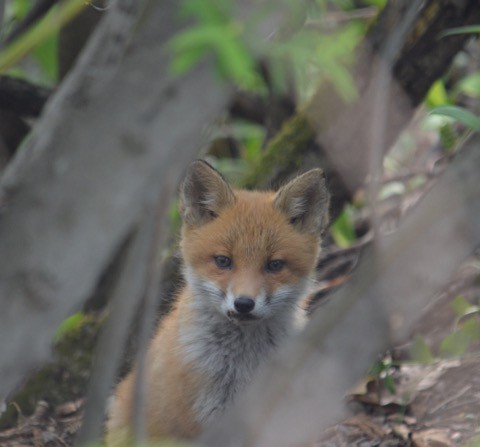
(203, 194)
(305, 201)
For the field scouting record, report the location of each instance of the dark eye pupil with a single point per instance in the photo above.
(275, 266)
(223, 262)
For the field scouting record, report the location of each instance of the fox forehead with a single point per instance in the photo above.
(251, 231)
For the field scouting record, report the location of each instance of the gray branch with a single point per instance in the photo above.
(118, 128)
(301, 391)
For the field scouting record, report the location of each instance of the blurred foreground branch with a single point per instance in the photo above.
(112, 133)
(300, 393)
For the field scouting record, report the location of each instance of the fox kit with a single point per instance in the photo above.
(248, 256)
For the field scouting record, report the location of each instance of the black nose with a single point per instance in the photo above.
(244, 304)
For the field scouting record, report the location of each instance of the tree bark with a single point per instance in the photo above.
(339, 136)
(301, 392)
(114, 134)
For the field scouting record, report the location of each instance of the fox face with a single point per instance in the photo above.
(248, 254)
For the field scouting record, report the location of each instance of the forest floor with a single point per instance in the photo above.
(432, 401)
(434, 404)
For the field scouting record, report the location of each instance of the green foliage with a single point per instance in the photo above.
(232, 169)
(41, 38)
(460, 306)
(214, 32)
(342, 230)
(459, 114)
(322, 57)
(469, 86)
(69, 324)
(466, 331)
(473, 29)
(251, 137)
(46, 56)
(378, 3)
(454, 344)
(382, 370)
(420, 351)
(437, 95)
(18, 8)
(310, 55)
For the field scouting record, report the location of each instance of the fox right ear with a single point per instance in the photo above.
(305, 201)
(203, 194)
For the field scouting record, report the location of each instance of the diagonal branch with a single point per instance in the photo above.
(300, 393)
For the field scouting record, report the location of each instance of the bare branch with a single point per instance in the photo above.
(303, 387)
(114, 131)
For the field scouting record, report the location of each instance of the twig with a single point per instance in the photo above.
(334, 18)
(126, 298)
(460, 393)
(156, 262)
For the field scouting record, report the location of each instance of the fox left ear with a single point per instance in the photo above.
(305, 201)
(203, 194)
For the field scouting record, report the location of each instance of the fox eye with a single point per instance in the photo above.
(275, 265)
(223, 262)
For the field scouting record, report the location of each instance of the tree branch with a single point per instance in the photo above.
(76, 189)
(328, 128)
(301, 391)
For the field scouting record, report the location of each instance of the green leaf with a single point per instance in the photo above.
(437, 95)
(471, 328)
(46, 55)
(448, 136)
(69, 324)
(472, 29)
(342, 230)
(420, 351)
(460, 305)
(460, 114)
(454, 344)
(232, 58)
(470, 85)
(207, 11)
(377, 3)
(389, 384)
(392, 189)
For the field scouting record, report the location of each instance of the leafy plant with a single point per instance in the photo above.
(420, 352)
(466, 330)
(306, 53)
(213, 32)
(40, 38)
(342, 230)
(69, 324)
(382, 370)
(459, 114)
(472, 29)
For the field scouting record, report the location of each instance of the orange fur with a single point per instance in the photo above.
(183, 371)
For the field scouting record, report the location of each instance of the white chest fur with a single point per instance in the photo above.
(227, 355)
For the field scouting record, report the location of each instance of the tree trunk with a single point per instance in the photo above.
(114, 134)
(400, 59)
